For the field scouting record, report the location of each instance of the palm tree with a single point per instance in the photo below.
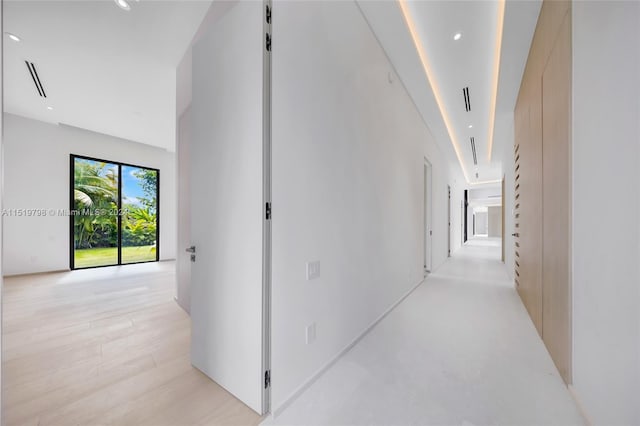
(95, 187)
(94, 184)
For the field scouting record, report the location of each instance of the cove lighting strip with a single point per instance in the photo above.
(486, 182)
(436, 89)
(496, 76)
(408, 19)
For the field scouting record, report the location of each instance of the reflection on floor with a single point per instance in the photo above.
(105, 346)
(460, 350)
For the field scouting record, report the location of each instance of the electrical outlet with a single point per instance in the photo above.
(310, 333)
(313, 270)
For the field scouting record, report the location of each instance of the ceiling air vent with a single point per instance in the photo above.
(473, 151)
(467, 100)
(36, 79)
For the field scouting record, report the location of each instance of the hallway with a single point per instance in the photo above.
(460, 349)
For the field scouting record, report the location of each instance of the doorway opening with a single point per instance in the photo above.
(484, 216)
(502, 227)
(110, 215)
(465, 215)
(114, 209)
(480, 221)
(428, 232)
(449, 221)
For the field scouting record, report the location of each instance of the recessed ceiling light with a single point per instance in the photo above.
(50, 108)
(471, 126)
(13, 37)
(457, 36)
(122, 4)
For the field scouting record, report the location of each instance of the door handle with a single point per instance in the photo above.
(515, 234)
(192, 250)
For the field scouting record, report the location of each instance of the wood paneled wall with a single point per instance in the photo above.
(542, 181)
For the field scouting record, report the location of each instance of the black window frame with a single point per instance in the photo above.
(120, 164)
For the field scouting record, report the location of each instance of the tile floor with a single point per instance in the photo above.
(460, 350)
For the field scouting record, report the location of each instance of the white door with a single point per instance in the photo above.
(227, 205)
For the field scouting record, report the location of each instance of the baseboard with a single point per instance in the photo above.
(275, 412)
(580, 406)
(24, 274)
(55, 271)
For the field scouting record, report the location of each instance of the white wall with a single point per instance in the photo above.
(606, 251)
(482, 221)
(1, 193)
(495, 221)
(348, 153)
(36, 176)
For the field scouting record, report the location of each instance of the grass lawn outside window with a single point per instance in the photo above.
(85, 258)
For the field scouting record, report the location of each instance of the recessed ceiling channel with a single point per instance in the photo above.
(36, 78)
(473, 150)
(467, 100)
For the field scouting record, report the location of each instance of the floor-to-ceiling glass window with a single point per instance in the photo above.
(95, 199)
(140, 214)
(114, 213)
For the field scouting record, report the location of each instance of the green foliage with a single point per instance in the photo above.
(138, 226)
(149, 184)
(95, 189)
(96, 197)
(140, 223)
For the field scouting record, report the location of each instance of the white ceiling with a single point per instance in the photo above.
(486, 195)
(114, 72)
(468, 62)
(103, 69)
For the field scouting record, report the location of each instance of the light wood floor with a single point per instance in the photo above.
(106, 346)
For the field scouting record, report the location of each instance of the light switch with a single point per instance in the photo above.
(313, 270)
(310, 333)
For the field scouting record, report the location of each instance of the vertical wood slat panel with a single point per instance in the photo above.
(528, 136)
(542, 182)
(556, 201)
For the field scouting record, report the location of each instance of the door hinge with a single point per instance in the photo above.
(268, 211)
(268, 14)
(268, 42)
(267, 379)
